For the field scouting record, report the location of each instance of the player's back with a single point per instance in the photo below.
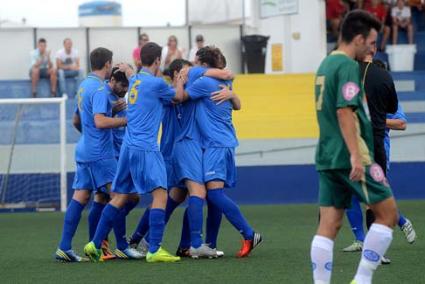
(145, 110)
(337, 85)
(215, 120)
(94, 143)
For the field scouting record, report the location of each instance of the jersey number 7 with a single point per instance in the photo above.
(320, 83)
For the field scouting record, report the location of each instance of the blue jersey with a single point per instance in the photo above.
(146, 100)
(214, 121)
(93, 98)
(170, 129)
(117, 133)
(187, 115)
(398, 115)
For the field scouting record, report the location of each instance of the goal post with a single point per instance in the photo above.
(33, 153)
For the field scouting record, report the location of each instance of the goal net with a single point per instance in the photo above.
(33, 153)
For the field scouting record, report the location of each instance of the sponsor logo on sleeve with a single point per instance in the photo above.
(350, 90)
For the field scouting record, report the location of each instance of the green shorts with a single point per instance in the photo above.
(336, 188)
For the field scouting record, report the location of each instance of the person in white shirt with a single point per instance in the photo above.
(402, 16)
(68, 64)
(170, 52)
(42, 67)
(200, 43)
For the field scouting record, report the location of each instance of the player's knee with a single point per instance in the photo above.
(177, 195)
(101, 198)
(82, 196)
(134, 198)
(160, 196)
(119, 200)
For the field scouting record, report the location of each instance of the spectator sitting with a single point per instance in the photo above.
(401, 15)
(143, 39)
(68, 64)
(378, 9)
(199, 44)
(42, 67)
(170, 53)
(335, 10)
(418, 16)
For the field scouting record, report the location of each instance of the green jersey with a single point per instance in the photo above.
(337, 86)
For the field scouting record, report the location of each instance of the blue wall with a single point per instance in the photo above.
(257, 184)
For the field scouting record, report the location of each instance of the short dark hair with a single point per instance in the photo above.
(99, 57)
(149, 53)
(176, 66)
(143, 35)
(358, 22)
(209, 55)
(42, 40)
(119, 76)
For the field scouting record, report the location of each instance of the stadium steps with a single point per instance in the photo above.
(22, 88)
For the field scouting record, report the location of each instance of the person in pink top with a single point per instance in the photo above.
(143, 39)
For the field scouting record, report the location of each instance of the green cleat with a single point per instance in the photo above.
(93, 253)
(161, 255)
(353, 282)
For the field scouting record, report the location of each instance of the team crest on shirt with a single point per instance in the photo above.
(377, 173)
(350, 90)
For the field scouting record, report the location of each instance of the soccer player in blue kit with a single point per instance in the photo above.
(94, 155)
(218, 142)
(141, 164)
(173, 124)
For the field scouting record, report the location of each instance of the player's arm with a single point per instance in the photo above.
(222, 74)
(349, 132)
(396, 124)
(126, 68)
(76, 121)
(226, 94)
(104, 122)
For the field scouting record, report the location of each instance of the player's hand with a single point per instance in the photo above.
(126, 68)
(222, 95)
(183, 74)
(119, 106)
(357, 168)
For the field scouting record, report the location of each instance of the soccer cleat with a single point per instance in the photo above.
(249, 245)
(93, 253)
(106, 251)
(204, 251)
(183, 252)
(161, 255)
(129, 253)
(385, 260)
(353, 282)
(354, 247)
(219, 253)
(142, 246)
(68, 256)
(409, 232)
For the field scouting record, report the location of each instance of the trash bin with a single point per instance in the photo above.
(401, 56)
(254, 52)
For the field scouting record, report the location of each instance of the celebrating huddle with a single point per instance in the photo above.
(118, 157)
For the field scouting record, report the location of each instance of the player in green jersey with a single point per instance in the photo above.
(344, 154)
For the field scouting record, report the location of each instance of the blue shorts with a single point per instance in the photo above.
(219, 164)
(94, 176)
(171, 174)
(188, 161)
(139, 171)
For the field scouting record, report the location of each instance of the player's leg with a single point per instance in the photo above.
(376, 192)
(213, 225)
(184, 246)
(99, 202)
(355, 218)
(123, 250)
(83, 187)
(141, 229)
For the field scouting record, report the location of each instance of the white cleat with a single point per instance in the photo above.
(204, 251)
(129, 253)
(385, 260)
(354, 247)
(142, 247)
(409, 232)
(219, 253)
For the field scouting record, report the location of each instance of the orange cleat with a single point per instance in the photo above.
(106, 251)
(249, 245)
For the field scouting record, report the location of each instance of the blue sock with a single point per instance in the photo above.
(120, 225)
(213, 224)
(142, 228)
(355, 218)
(169, 209)
(231, 211)
(94, 217)
(109, 215)
(196, 216)
(401, 219)
(156, 228)
(70, 224)
(185, 238)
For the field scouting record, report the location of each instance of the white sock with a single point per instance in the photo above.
(321, 258)
(376, 243)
